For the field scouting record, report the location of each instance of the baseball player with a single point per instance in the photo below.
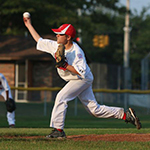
(5, 91)
(75, 71)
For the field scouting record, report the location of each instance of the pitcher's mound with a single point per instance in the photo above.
(112, 137)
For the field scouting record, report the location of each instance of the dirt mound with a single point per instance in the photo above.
(112, 137)
(93, 137)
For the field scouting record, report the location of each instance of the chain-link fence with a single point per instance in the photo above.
(145, 73)
(140, 100)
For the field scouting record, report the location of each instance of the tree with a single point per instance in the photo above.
(103, 17)
(140, 46)
(44, 13)
(98, 17)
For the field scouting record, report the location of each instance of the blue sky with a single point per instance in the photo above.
(137, 4)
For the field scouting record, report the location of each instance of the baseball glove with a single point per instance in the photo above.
(10, 105)
(60, 56)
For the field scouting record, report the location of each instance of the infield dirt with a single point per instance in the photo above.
(93, 137)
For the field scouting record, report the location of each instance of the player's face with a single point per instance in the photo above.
(62, 38)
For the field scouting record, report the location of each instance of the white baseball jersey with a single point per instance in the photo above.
(78, 86)
(3, 88)
(74, 57)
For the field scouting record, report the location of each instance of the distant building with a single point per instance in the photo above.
(24, 66)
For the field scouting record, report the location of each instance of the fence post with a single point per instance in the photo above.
(75, 106)
(148, 106)
(45, 103)
(145, 72)
(126, 96)
(101, 98)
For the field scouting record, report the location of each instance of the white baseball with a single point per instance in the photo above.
(26, 15)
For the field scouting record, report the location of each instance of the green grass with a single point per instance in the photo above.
(32, 115)
(30, 121)
(20, 142)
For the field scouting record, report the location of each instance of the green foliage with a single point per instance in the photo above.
(139, 46)
(44, 13)
(31, 115)
(48, 13)
(96, 17)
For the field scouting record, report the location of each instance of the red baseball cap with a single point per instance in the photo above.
(67, 29)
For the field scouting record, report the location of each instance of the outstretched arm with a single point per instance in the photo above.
(27, 22)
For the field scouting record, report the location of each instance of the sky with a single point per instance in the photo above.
(137, 4)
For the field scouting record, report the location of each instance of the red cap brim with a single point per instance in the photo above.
(57, 31)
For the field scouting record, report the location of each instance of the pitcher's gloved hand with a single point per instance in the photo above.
(10, 105)
(60, 57)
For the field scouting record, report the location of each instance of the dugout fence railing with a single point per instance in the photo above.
(139, 99)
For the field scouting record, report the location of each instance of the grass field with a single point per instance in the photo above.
(32, 126)
(15, 139)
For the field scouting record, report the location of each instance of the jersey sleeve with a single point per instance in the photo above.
(80, 64)
(5, 83)
(46, 45)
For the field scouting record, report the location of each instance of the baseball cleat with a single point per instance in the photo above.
(132, 118)
(12, 126)
(56, 134)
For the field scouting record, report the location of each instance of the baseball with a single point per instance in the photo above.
(26, 15)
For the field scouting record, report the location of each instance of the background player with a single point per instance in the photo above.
(79, 80)
(5, 91)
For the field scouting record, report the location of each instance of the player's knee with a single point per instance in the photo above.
(95, 111)
(94, 114)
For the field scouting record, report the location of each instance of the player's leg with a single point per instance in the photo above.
(101, 111)
(70, 91)
(11, 119)
(10, 116)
